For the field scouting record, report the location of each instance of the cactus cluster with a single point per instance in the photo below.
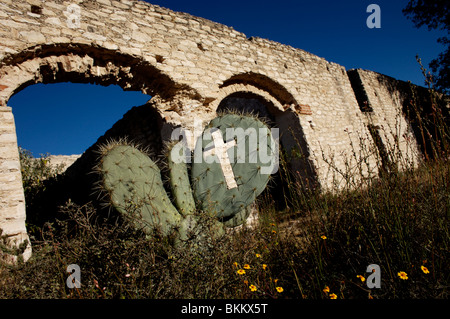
(226, 179)
(230, 198)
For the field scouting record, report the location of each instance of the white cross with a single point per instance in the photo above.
(220, 149)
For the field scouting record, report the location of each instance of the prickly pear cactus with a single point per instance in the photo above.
(179, 179)
(231, 167)
(228, 172)
(132, 184)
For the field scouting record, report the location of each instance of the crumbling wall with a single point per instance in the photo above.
(186, 63)
(12, 199)
(398, 113)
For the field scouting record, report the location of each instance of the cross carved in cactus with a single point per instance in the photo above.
(220, 150)
(226, 177)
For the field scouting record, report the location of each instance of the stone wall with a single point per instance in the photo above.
(62, 161)
(394, 109)
(382, 102)
(189, 65)
(12, 199)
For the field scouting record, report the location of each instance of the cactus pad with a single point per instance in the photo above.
(179, 179)
(227, 172)
(132, 182)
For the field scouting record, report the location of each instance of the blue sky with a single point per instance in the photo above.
(68, 118)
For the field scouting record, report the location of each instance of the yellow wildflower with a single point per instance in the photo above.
(425, 269)
(235, 264)
(275, 280)
(323, 237)
(264, 266)
(326, 289)
(246, 266)
(361, 277)
(333, 296)
(279, 289)
(240, 272)
(403, 275)
(258, 255)
(252, 288)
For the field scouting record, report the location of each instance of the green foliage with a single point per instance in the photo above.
(131, 182)
(35, 171)
(435, 15)
(38, 174)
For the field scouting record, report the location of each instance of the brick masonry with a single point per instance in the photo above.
(189, 65)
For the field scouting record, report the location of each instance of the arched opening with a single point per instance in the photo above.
(67, 118)
(249, 102)
(81, 63)
(293, 146)
(74, 63)
(263, 83)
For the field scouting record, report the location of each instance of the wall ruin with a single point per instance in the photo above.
(189, 65)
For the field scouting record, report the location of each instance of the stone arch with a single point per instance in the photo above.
(263, 83)
(269, 100)
(83, 63)
(77, 63)
(247, 88)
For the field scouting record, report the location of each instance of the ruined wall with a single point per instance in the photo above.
(189, 65)
(382, 101)
(12, 199)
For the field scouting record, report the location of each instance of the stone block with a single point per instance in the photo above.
(105, 2)
(139, 36)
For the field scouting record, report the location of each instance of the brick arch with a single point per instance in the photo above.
(81, 63)
(260, 83)
(233, 88)
(77, 63)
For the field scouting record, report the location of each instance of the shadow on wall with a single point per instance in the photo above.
(426, 112)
